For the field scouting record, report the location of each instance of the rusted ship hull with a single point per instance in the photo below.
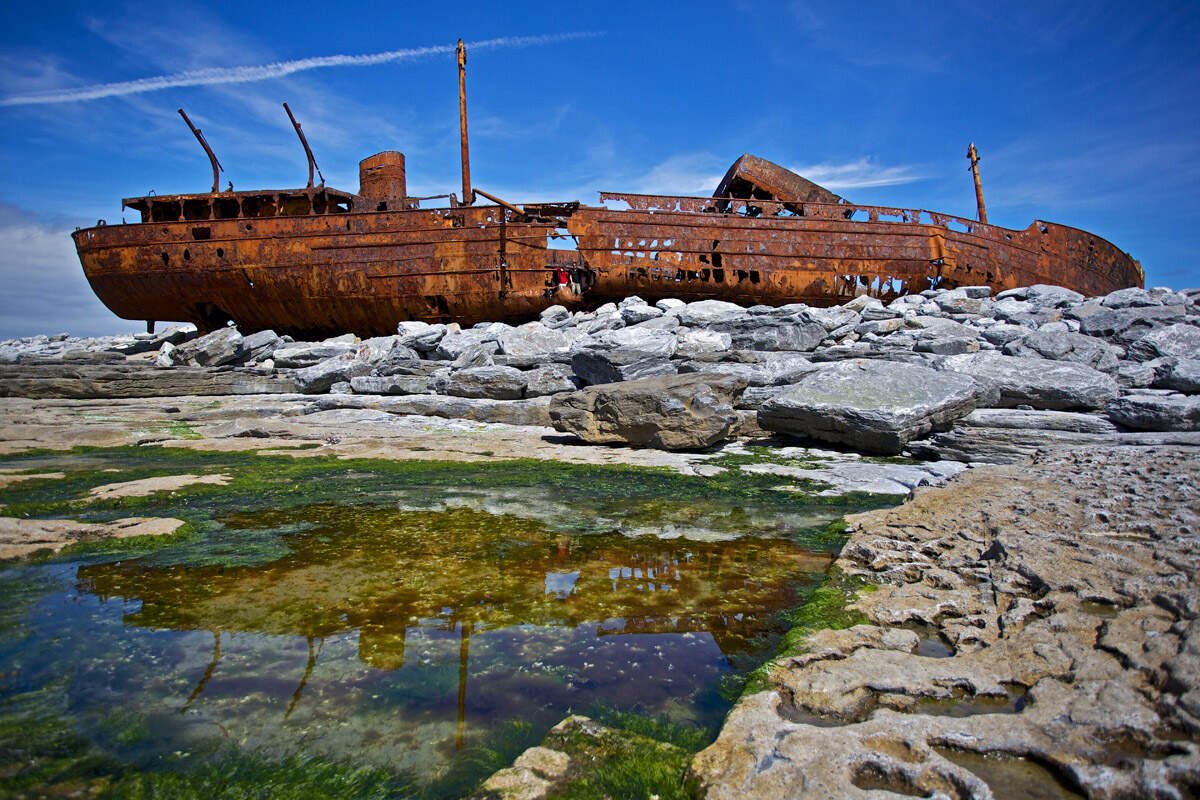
(756, 251)
(313, 262)
(325, 274)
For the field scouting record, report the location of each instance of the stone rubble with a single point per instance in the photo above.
(1131, 359)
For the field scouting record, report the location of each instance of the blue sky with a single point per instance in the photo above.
(1085, 114)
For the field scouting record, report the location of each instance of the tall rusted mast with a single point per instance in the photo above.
(212, 157)
(973, 155)
(468, 198)
(312, 162)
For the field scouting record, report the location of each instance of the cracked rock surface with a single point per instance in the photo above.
(1045, 614)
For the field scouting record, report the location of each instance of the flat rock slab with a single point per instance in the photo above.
(131, 379)
(1153, 412)
(1037, 382)
(866, 476)
(873, 406)
(1055, 577)
(676, 412)
(8, 477)
(22, 537)
(149, 486)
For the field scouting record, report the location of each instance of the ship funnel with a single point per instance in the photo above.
(382, 182)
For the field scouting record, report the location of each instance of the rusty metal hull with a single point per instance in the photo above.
(266, 260)
(325, 274)
(754, 251)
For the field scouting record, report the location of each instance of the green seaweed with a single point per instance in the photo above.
(279, 522)
(827, 608)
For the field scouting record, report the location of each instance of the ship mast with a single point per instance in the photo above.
(468, 198)
(312, 162)
(212, 157)
(973, 156)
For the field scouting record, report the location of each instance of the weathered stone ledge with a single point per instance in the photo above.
(1043, 614)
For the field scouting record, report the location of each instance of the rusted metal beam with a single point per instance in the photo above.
(468, 198)
(212, 157)
(973, 157)
(308, 153)
(514, 209)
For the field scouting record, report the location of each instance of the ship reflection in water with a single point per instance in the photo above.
(403, 636)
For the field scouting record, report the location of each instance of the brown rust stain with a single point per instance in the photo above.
(319, 261)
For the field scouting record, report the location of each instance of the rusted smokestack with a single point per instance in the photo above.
(468, 198)
(973, 156)
(381, 180)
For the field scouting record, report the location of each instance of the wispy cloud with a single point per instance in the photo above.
(699, 174)
(248, 74)
(861, 173)
(686, 174)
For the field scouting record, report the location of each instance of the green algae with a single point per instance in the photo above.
(827, 608)
(384, 576)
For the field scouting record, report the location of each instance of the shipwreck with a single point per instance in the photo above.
(318, 261)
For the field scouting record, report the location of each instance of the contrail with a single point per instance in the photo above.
(262, 72)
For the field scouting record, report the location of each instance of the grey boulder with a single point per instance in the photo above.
(874, 406)
(221, 347)
(491, 383)
(610, 366)
(1073, 347)
(1179, 340)
(676, 412)
(320, 377)
(1157, 412)
(306, 354)
(1037, 382)
(390, 384)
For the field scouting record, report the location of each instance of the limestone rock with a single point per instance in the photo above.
(671, 412)
(1179, 340)
(390, 384)
(493, 383)
(306, 354)
(696, 341)
(1060, 346)
(260, 345)
(1157, 412)
(610, 366)
(1127, 325)
(420, 336)
(784, 368)
(550, 379)
(221, 347)
(321, 376)
(779, 335)
(1181, 374)
(875, 406)
(704, 313)
(532, 339)
(1041, 383)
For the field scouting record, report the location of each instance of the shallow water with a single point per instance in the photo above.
(405, 621)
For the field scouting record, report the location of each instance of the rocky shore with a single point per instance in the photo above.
(1028, 624)
(947, 374)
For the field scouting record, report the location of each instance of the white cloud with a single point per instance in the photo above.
(861, 173)
(211, 76)
(689, 174)
(45, 289)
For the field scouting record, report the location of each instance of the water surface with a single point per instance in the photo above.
(426, 620)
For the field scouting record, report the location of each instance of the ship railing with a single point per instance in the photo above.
(754, 207)
(239, 205)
